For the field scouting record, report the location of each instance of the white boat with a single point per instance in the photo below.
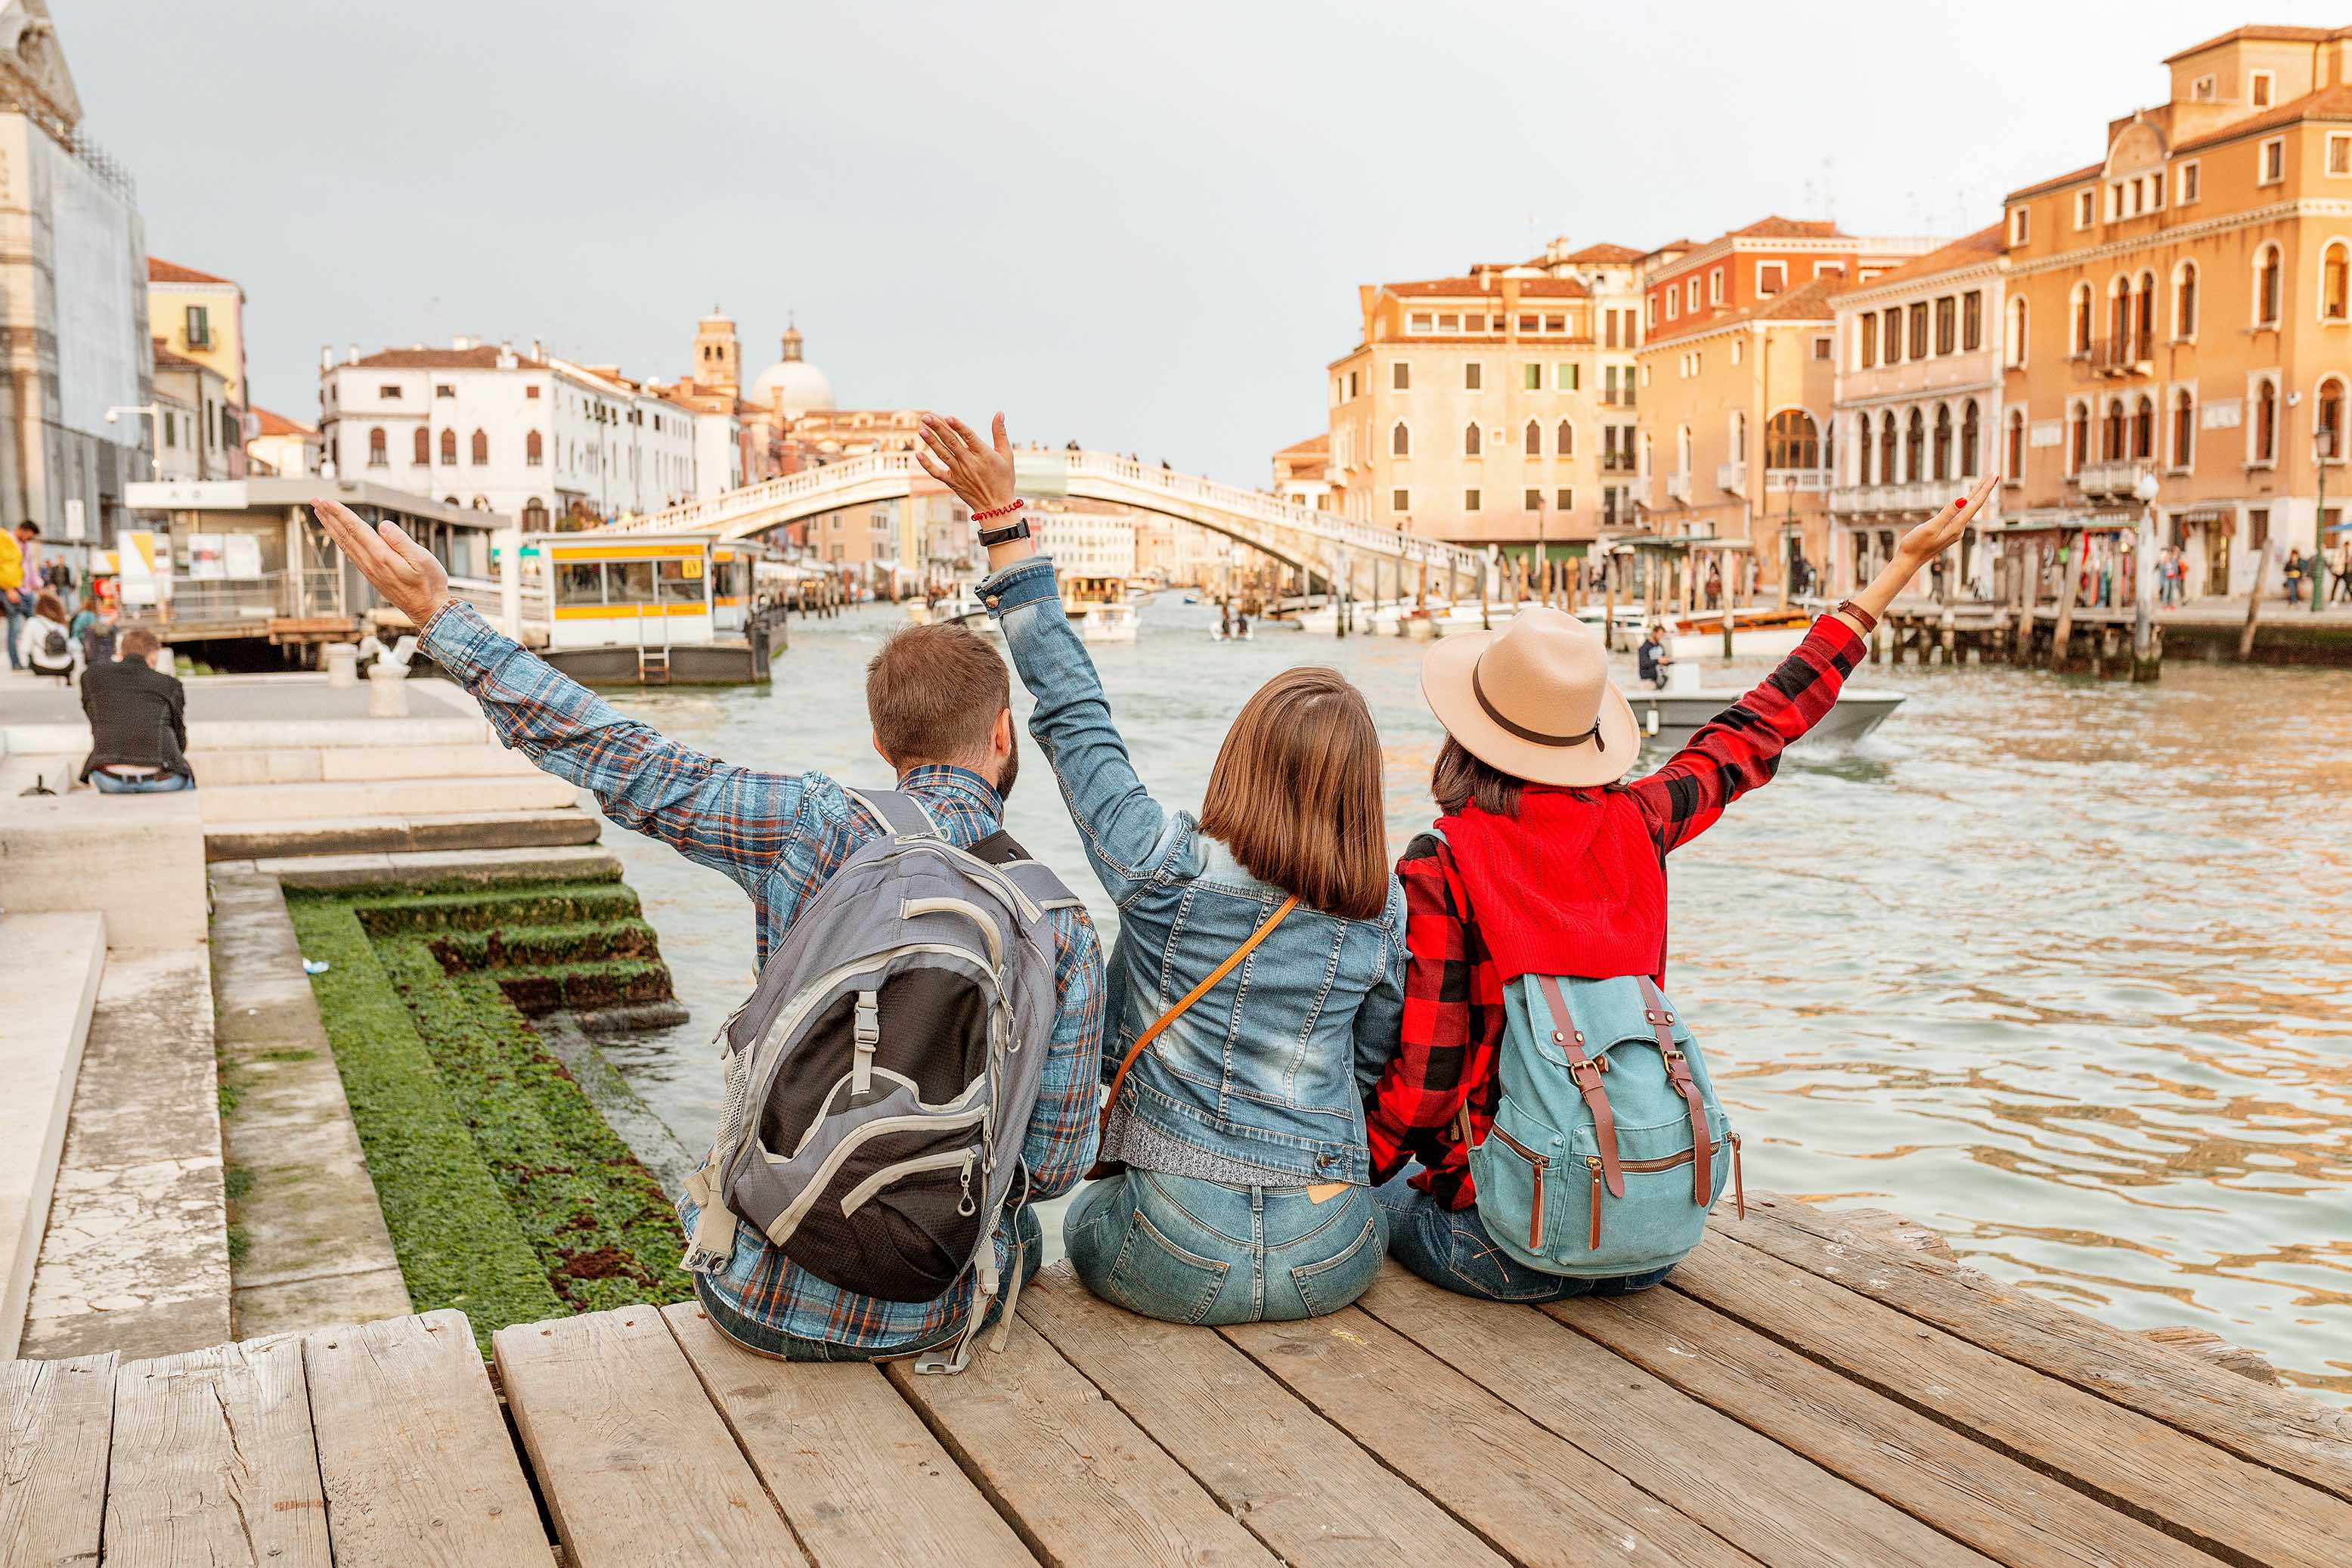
(1670, 718)
(962, 606)
(1099, 608)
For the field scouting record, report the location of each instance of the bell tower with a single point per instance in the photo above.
(717, 353)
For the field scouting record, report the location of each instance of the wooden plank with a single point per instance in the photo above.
(1519, 1489)
(53, 1455)
(858, 1475)
(637, 1467)
(2221, 1502)
(2285, 1430)
(213, 1460)
(1082, 1487)
(1296, 1482)
(413, 1455)
(2005, 1510)
(1777, 1505)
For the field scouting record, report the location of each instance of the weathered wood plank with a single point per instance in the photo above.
(413, 1455)
(1524, 1492)
(2146, 1468)
(1081, 1485)
(53, 1455)
(2005, 1510)
(856, 1472)
(1776, 1504)
(213, 1460)
(2270, 1426)
(1296, 1482)
(636, 1467)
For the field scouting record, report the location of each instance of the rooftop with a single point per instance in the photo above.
(481, 356)
(2257, 32)
(1969, 250)
(275, 424)
(1778, 228)
(1544, 287)
(161, 271)
(1807, 302)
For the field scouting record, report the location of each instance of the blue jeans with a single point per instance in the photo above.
(761, 1339)
(154, 784)
(1186, 1251)
(17, 615)
(1450, 1247)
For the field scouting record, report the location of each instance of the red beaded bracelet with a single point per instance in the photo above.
(1005, 510)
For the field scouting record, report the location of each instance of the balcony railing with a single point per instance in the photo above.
(2117, 478)
(1617, 462)
(1732, 478)
(1915, 495)
(2127, 355)
(1678, 485)
(1804, 481)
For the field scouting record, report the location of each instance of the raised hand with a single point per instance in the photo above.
(403, 571)
(981, 476)
(1939, 533)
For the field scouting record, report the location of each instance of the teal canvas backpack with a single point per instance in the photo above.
(1608, 1145)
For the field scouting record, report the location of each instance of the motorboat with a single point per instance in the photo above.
(1760, 633)
(1669, 718)
(1099, 608)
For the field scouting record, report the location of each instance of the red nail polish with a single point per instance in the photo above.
(1962, 501)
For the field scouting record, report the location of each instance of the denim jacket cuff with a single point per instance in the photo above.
(1023, 582)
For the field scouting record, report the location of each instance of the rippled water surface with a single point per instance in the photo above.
(2058, 968)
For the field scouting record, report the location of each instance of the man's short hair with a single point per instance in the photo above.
(31, 528)
(139, 643)
(933, 694)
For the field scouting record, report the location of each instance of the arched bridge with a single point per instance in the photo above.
(1319, 544)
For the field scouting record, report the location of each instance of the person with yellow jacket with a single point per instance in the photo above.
(19, 583)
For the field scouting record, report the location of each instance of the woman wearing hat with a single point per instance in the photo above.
(1547, 861)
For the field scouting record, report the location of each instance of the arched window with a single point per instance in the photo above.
(533, 449)
(1865, 453)
(2184, 301)
(1564, 440)
(1400, 441)
(1535, 439)
(452, 502)
(2017, 321)
(2266, 421)
(2267, 286)
(2327, 418)
(481, 447)
(450, 447)
(2080, 341)
(2014, 465)
(421, 451)
(2336, 283)
(1887, 473)
(1914, 448)
(2144, 318)
(2078, 443)
(2184, 429)
(1970, 437)
(2111, 432)
(534, 515)
(2143, 428)
(376, 457)
(1943, 441)
(1682, 448)
(2119, 318)
(1470, 439)
(1793, 441)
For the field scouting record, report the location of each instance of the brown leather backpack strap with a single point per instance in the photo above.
(1661, 1024)
(1233, 961)
(1585, 1072)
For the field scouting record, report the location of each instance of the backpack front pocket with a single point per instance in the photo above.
(1516, 1175)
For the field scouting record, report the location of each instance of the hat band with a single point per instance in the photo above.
(1535, 737)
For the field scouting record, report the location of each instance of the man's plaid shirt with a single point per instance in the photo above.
(780, 837)
(1454, 993)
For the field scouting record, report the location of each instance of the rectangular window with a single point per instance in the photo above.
(1535, 501)
(1673, 305)
(1401, 377)
(443, 389)
(1869, 347)
(1476, 323)
(2021, 224)
(1918, 330)
(1532, 377)
(388, 392)
(1829, 268)
(1564, 500)
(2272, 161)
(1948, 319)
(2188, 184)
(2258, 89)
(2339, 154)
(2086, 209)
(531, 393)
(2201, 90)
(1821, 347)
(1419, 322)
(1891, 340)
(1449, 322)
(200, 328)
(1772, 277)
(1555, 323)
(1568, 377)
(1715, 286)
(1690, 296)
(1469, 501)
(1609, 328)
(1972, 320)
(1470, 376)
(1398, 500)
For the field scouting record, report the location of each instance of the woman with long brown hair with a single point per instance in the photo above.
(1257, 943)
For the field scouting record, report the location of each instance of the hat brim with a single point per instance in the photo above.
(1445, 686)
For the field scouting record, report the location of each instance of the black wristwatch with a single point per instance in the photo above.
(992, 537)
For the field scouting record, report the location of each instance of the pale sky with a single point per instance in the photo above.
(1139, 226)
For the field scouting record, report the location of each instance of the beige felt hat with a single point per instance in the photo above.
(1535, 700)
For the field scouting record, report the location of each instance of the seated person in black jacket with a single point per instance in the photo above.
(138, 721)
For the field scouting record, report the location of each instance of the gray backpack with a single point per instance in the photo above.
(881, 1074)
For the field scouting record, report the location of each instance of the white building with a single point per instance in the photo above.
(494, 429)
(1086, 543)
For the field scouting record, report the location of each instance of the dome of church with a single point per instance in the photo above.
(791, 385)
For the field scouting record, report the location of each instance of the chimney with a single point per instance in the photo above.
(537, 352)
(354, 358)
(326, 356)
(461, 342)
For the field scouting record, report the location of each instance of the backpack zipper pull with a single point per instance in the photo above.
(1592, 1241)
(967, 1208)
(1738, 1188)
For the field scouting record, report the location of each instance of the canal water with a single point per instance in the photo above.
(2058, 968)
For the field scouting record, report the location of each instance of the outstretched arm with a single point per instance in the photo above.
(734, 819)
(1740, 748)
(1126, 832)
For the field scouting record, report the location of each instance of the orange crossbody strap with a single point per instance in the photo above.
(1118, 1079)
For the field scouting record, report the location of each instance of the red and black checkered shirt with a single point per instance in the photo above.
(1453, 989)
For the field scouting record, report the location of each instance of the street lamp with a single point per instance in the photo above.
(154, 413)
(2322, 447)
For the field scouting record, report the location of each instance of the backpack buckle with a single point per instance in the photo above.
(1595, 1065)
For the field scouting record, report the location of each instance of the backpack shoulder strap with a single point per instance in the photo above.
(1036, 879)
(899, 812)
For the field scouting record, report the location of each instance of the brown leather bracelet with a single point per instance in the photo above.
(1848, 608)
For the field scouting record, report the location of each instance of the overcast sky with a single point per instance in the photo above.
(1139, 226)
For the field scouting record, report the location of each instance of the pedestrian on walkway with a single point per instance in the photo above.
(2343, 589)
(20, 584)
(46, 640)
(2294, 576)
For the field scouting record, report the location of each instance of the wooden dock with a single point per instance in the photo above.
(1797, 1394)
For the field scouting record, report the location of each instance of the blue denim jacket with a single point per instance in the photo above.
(1259, 1073)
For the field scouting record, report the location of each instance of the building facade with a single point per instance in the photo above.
(1918, 400)
(281, 446)
(75, 401)
(199, 434)
(2180, 313)
(199, 316)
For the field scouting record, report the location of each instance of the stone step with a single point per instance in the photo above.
(356, 764)
(388, 834)
(226, 804)
(43, 1029)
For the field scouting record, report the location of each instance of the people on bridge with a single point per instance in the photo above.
(939, 698)
(1260, 951)
(1544, 879)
